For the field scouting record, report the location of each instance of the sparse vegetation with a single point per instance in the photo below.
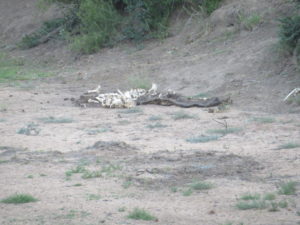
(274, 207)
(127, 184)
(19, 199)
(44, 33)
(14, 69)
(122, 209)
(209, 6)
(283, 204)
(174, 189)
(140, 214)
(52, 119)
(202, 139)
(289, 145)
(264, 119)
(269, 197)
(156, 125)
(180, 115)
(249, 196)
(201, 185)
(225, 131)
(31, 129)
(155, 118)
(287, 188)
(289, 34)
(124, 122)
(91, 174)
(110, 168)
(187, 192)
(131, 110)
(250, 22)
(254, 204)
(294, 99)
(257, 201)
(91, 25)
(93, 197)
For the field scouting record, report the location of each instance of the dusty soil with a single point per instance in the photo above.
(144, 157)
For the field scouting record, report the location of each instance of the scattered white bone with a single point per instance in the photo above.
(97, 90)
(153, 89)
(292, 93)
(92, 101)
(171, 92)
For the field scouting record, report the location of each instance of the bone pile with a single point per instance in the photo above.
(120, 99)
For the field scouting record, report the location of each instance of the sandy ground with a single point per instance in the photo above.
(141, 166)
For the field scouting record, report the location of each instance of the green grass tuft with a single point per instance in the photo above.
(202, 139)
(156, 125)
(93, 197)
(283, 204)
(155, 118)
(289, 145)
(174, 189)
(97, 131)
(264, 119)
(269, 197)
(140, 214)
(31, 129)
(91, 174)
(250, 22)
(224, 131)
(288, 188)
(249, 196)
(187, 192)
(127, 184)
(19, 199)
(201, 185)
(122, 209)
(52, 119)
(254, 204)
(180, 115)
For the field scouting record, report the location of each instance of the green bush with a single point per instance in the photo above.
(93, 24)
(210, 5)
(290, 31)
(289, 34)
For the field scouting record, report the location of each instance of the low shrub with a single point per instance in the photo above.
(93, 24)
(289, 34)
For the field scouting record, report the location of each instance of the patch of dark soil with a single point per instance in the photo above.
(103, 150)
(8, 151)
(179, 168)
(112, 149)
(19, 155)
